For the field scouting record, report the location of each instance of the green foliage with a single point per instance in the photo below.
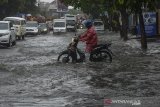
(121, 1)
(93, 7)
(11, 7)
(3, 1)
(110, 5)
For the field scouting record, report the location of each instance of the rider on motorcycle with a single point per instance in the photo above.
(90, 36)
(94, 51)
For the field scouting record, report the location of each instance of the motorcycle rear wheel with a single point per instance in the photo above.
(102, 55)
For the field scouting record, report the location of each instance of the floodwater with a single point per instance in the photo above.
(30, 76)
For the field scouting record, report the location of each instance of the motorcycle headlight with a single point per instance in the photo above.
(44, 29)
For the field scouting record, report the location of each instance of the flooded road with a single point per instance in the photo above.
(30, 76)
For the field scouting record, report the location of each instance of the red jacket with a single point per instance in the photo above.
(90, 37)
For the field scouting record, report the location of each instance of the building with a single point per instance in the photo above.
(52, 10)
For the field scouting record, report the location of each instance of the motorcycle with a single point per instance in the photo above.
(100, 52)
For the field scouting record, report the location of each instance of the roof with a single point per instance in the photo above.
(16, 18)
(59, 20)
(4, 21)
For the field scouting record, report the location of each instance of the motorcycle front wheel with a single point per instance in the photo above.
(65, 57)
(102, 55)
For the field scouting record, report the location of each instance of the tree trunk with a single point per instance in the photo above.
(142, 31)
(124, 26)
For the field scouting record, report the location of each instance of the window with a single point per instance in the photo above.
(98, 23)
(43, 25)
(59, 24)
(70, 16)
(23, 22)
(14, 21)
(11, 25)
(32, 24)
(3, 26)
(71, 22)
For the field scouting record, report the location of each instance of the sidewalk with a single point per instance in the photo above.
(135, 43)
(152, 43)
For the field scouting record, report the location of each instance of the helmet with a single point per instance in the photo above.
(87, 23)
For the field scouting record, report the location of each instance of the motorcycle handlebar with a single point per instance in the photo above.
(78, 35)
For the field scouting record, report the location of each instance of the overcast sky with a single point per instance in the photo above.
(70, 7)
(47, 0)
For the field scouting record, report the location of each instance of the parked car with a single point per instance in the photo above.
(59, 25)
(19, 25)
(32, 28)
(43, 28)
(71, 25)
(99, 26)
(7, 34)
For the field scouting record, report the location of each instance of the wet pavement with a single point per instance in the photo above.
(30, 76)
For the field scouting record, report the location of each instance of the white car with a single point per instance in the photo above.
(59, 25)
(99, 26)
(32, 28)
(7, 34)
(19, 25)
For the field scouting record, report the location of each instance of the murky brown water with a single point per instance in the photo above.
(31, 77)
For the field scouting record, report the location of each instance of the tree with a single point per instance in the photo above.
(3, 1)
(122, 6)
(92, 7)
(28, 6)
(137, 6)
(125, 7)
(134, 6)
(10, 7)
